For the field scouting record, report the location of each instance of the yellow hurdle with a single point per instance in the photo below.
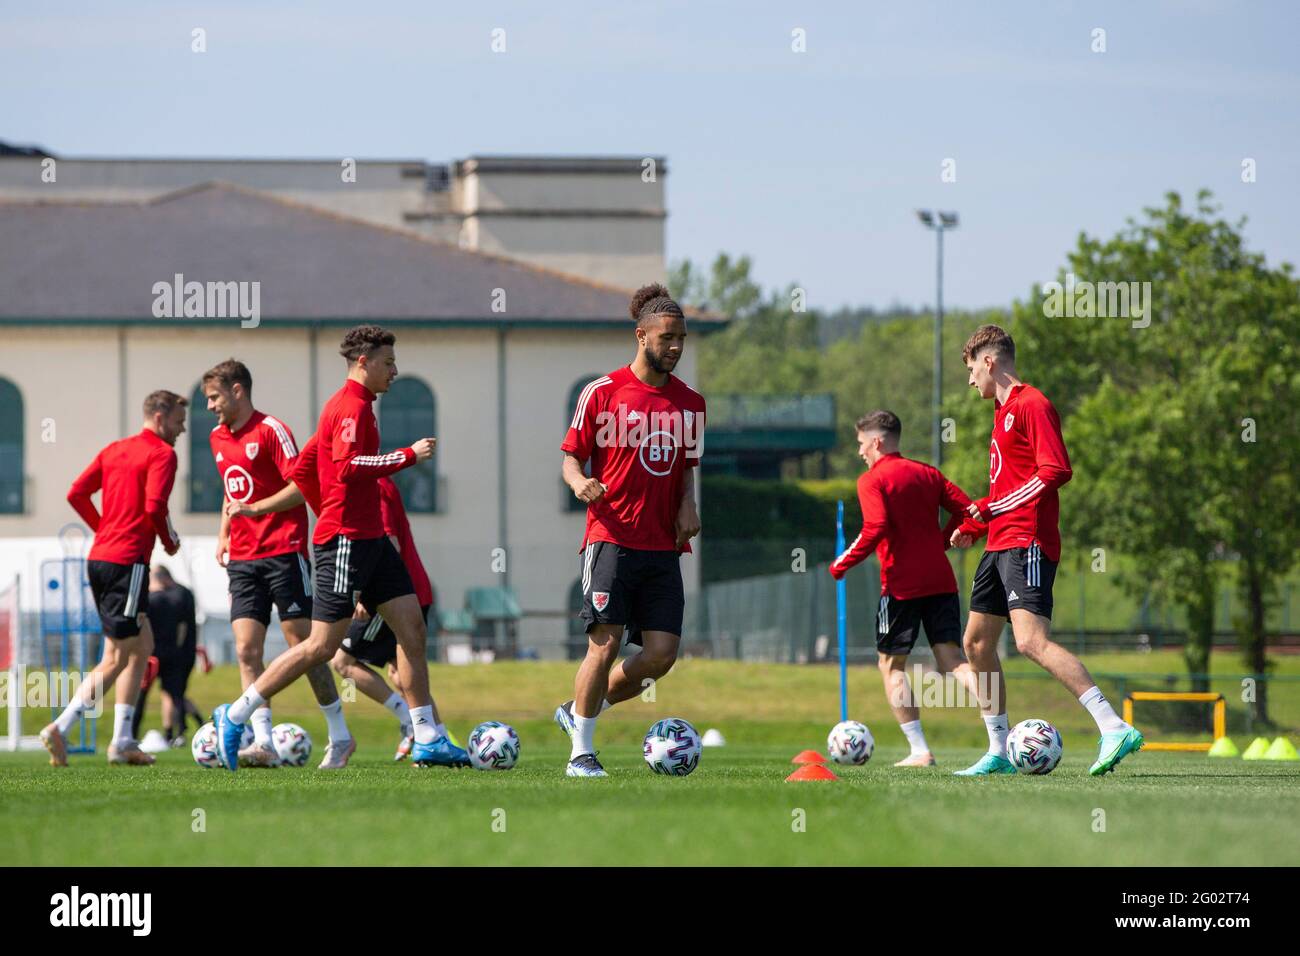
(1220, 715)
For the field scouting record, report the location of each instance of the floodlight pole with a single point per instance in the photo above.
(938, 350)
(938, 221)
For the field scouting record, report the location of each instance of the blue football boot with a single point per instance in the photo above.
(229, 735)
(440, 753)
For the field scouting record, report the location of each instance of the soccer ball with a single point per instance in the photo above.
(1034, 746)
(672, 746)
(493, 746)
(204, 746)
(292, 744)
(850, 742)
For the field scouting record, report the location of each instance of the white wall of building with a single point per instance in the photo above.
(70, 376)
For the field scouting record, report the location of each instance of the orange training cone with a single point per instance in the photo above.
(809, 756)
(812, 771)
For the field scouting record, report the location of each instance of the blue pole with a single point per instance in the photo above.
(841, 623)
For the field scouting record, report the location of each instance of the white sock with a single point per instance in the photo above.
(605, 705)
(339, 732)
(997, 728)
(262, 726)
(422, 724)
(915, 736)
(397, 705)
(584, 730)
(1102, 712)
(123, 714)
(441, 730)
(243, 708)
(71, 714)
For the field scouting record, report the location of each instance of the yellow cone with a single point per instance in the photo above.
(1258, 747)
(1282, 749)
(1224, 747)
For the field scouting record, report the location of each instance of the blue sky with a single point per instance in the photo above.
(811, 162)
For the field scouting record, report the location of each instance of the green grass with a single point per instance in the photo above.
(1159, 808)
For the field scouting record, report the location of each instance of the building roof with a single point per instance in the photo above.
(100, 262)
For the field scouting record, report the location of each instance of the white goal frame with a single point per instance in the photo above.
(12, 676)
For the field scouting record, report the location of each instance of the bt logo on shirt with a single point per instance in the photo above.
(658, 453)
(239, 484)
(995, 461)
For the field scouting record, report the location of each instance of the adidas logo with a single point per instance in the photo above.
(292, 608)
(1013, 596)
(633, 416)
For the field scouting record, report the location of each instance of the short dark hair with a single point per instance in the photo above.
(229, 372)
(653, 299)
(162, 401)
(881, 421)
(363, 340)
(989, 337)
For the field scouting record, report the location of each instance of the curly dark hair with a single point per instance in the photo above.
(364, 339)
(653, 299)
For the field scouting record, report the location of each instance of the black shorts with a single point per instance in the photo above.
(349, 570)
(121, 594)
(174, 673)
(1015, 578)
(373, 641)
(899, 622)
(640, 589)
(284, 579)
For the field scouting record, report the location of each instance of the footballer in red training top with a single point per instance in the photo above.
(640, 428)
(1027, 464)
(134, 477)
(265, 556)
(369, 639)
(900, 499)
(354, 559)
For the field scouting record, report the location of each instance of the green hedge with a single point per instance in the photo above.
(752, 527)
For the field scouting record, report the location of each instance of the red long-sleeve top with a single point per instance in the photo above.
(348, 465)
(134, 477)
(900, 500)
(1027, 464)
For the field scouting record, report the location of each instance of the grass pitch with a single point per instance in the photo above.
(1156, 809)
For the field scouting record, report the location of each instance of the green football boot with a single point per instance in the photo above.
(1114, 748)
(986, 766)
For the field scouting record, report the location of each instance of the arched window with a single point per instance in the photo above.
(206, 492)
(566, 493)
(408, 412)
(11, 448)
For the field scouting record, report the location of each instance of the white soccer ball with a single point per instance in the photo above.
(204, 747)
(672, 746)
(292, 744)
(1034, 746)
(850, 742)
(493, 746)
(247, 739)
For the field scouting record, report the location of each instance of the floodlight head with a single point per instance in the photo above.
(926, 217)
(949, 219)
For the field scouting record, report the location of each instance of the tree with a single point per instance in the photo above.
(1157, 407)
